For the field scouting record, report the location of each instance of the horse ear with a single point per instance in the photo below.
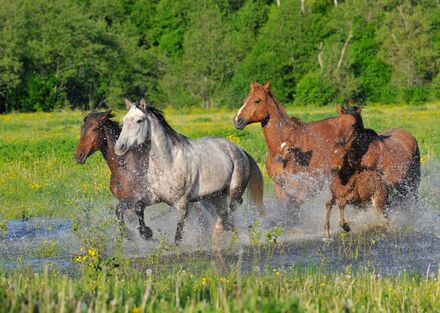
(252, 85)
(128, 104)
(106, 115)
(143, 104)
(267, 86)
(340, 109)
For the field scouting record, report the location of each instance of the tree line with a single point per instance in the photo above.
(92, 53)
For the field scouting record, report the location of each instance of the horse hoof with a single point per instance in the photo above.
(345, 227)
(146, 233)
(178, 240)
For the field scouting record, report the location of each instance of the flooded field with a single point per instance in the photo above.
(411, 243)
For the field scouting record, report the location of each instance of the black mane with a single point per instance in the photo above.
(114, 127)
(356, 112)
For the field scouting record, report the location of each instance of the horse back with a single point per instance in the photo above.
(318, 138)
(398, 153)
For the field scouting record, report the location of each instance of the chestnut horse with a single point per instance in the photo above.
(393, 152)
(99, 132)
(310, 167)
(351, 183)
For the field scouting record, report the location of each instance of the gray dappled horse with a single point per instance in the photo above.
(180, 170)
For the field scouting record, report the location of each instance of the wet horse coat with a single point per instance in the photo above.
(364, 169)
(180, 170)
(99, 132)
(309, 169)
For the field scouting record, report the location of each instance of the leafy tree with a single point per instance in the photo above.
(10, 64)
(408, 47)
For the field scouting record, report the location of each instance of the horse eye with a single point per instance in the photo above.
(340, 143)
(139, 121)
(257, 101)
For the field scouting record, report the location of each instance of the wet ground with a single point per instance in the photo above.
(411, 243)
(40, 241)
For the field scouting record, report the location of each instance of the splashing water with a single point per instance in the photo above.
(411, 242)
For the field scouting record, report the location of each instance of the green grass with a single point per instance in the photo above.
(39, 175)
(272, 291)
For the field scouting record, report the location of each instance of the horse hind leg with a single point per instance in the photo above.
(182, 215)
(144, 231)
(223, 212)
(216, 245)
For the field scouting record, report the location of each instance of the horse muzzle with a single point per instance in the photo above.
(121, 149)
(240, 123)
(81, 157)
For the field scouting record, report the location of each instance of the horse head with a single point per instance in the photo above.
(91, 135)
(349, 126)
(255, 106)
(135, 128)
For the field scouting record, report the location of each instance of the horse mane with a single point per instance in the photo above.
(282, 110)
(355, 111)
(113, 126)
(175, 137)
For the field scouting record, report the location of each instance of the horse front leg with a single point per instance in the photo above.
(120, 209)
(328, 209)
(144, 231)
(182, 215)
(342, 221)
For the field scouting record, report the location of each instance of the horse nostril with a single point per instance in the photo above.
(80, 157)
(239, 122)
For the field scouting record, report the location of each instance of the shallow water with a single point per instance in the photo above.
(411, 242)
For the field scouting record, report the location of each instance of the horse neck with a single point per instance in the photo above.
(107, 147)
(277, 128)
(161, 145)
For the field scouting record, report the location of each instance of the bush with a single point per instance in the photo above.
(314, 89)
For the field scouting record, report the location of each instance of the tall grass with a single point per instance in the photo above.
(275, 290)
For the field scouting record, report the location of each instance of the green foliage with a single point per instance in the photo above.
(315, 89)
(93, 53)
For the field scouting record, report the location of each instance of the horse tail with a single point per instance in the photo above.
(256, 185)
(415, 172)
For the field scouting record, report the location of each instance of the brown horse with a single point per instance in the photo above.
(393, 152)
(99, 132)
(370, 166)
(309, 167)
(352, 184)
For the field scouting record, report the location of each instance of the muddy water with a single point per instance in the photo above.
(411, 242)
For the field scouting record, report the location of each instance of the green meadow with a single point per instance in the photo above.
(40, 178)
